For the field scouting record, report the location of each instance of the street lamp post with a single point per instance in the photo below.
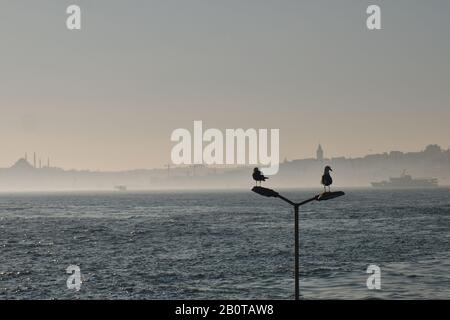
(320, 197)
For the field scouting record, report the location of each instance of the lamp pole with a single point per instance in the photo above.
(297, 254)
(320, 197)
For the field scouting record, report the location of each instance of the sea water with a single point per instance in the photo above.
(224, 245)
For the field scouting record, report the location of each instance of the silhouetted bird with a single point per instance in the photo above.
(258, 176)
(326, 179)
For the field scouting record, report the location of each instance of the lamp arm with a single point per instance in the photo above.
(296, 204)
(306, 201)
(286, 200)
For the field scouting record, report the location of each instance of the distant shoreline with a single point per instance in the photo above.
(206, 190)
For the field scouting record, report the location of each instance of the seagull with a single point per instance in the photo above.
(326, 179)
(258, 176)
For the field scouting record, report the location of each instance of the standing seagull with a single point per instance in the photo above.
(326, 179)
(258, 176)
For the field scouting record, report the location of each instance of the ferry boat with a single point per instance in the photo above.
(406, 181)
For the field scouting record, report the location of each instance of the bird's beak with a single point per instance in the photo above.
(331, 169)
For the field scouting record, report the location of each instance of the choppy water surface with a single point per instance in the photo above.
(224, 245)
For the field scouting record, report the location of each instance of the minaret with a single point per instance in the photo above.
(34, 160)
(168, 170)
(40, 163)
(319, 153)
(48, 162)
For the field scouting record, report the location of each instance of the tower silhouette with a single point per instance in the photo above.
(319, 153)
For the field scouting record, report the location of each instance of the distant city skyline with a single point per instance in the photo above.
(108, 97)
(431, 164)
(319, 154)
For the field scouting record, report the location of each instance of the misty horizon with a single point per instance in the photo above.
(431, 163)
(29, 157)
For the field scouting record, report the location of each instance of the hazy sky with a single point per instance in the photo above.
(108, 97)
